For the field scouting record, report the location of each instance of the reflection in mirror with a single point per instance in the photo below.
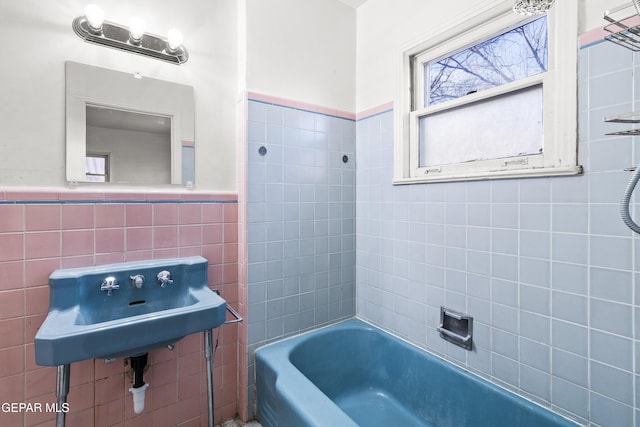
(127, 147)
(97, 168)
(124, 128)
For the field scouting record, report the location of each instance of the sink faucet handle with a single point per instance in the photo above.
(164, 278)
(109, 284)
(137, 280)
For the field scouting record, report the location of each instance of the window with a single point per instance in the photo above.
(495, 97)
(97, 168)
(513, 55)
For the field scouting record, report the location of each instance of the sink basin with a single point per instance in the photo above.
(86, 322)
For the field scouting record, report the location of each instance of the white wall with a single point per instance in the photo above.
(300, 50)
(303, 50)
(386, 28)
(592, 11)
(32, 111)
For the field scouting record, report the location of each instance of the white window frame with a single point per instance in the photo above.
(559, 84)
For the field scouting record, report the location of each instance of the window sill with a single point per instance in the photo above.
(475, 176)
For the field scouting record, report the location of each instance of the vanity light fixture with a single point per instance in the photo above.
(92, 28)
(532, 7)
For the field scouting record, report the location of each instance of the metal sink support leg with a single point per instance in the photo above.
(62, 390)
(208, 354)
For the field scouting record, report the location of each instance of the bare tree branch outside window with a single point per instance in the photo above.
(511, 56)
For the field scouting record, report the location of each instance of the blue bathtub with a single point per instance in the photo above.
(353, 374)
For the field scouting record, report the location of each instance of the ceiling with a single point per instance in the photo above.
(353, 3)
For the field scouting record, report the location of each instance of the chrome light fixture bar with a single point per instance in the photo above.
(92, 28)
(532, 7)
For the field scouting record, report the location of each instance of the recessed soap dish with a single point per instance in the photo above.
(457, 328)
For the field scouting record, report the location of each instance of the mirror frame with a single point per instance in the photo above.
(87, 84)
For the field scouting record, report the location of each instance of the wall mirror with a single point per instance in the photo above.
(127, 129)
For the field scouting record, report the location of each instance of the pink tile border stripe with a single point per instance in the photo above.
(61, 195)
(255, 96)
(598, 34)
(375, 111)
(188, 143)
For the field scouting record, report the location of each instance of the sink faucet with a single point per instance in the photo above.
(163, 278)
(137, 280)
(109, 284)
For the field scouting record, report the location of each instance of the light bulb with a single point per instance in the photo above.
(95, 16)
(136, 29)
(174, 39)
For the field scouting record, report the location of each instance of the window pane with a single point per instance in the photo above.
(96, 169)
(511, 56)
(503, 126)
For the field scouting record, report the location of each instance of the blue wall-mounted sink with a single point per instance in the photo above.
(87, 321)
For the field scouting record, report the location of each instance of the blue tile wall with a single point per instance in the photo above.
(545, 266)
(300, 223)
